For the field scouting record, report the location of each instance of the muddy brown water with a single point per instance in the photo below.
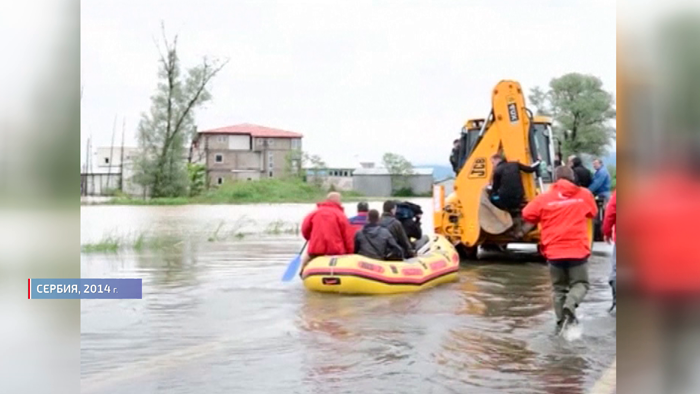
(215, 316)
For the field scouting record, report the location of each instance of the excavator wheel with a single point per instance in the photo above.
(467, 253)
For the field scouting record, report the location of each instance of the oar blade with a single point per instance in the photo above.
(292, 269)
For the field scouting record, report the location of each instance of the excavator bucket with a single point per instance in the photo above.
(492, 219)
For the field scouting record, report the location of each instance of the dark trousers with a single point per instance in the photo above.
(569, 283)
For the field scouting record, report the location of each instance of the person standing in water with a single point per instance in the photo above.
(563, 213)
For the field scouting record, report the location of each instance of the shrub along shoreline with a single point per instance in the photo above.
(253, 192)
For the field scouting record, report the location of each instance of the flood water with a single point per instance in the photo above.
(215, 317)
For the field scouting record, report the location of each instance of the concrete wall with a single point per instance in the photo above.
(234, 160)
(381, 185)
(101, 157)
(268, 157)
(228, 142)
(340, 183)
(372, 185)
(421, 184)
(104, 183)
(227, 176)
(99, 184)
(449, 185)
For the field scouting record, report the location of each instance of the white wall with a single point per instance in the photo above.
(239, 142)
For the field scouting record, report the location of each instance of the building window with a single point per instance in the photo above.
(296, 143)
(270, 142)
(345, 173)
(219, 158)
(249, 179)
(260, 141)
(219, 181)
(106, 160)
(222, 138)
(270, 160)
(270, 173)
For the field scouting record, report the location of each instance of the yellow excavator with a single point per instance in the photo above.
(467, 217)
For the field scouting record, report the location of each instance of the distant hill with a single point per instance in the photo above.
(440, 172)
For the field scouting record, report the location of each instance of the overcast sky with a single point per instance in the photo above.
(356, 77)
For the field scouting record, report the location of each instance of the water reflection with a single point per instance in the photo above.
(563, 374)
(503, 307)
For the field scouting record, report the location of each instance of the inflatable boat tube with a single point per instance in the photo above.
(355, 274)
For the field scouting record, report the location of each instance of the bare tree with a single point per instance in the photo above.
(164, 131)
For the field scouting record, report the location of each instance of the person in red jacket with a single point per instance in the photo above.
(563, 213)
(609, 235)
(327, 230)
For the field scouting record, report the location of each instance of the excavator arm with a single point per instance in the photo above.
(508, 129)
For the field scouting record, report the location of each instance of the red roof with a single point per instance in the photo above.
(253, 130)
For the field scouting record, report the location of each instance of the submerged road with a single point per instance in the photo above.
(215, 317)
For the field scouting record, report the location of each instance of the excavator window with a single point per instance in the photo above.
(542, 139)
(468, 142)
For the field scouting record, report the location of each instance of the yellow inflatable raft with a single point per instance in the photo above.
(355, 274)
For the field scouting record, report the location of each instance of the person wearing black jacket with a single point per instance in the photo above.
(392, 224)
(376, 242)
(581, 173)
(507, 192)
(454, 156)
(409, 215)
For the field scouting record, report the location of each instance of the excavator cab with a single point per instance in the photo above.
(466, 216)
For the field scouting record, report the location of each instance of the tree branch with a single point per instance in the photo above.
(205, 80)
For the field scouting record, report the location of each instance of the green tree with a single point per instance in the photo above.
(169, 125)
(294, 163)
(538, 100)
(581, 109)
(317, 165)
(197, 175)
(612, 170)
(400, 170)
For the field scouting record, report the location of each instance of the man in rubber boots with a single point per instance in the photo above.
(358, 221)
(327, 230)
(392, 224)
(610, 235)
(375, 241)
(563, 213)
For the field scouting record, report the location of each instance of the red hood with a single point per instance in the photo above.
(330, 204)
(565, 188)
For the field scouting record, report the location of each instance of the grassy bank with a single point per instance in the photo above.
(263, 191)
(242, 228)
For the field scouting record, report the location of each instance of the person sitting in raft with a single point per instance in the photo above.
(409, 215)
(327, 230)
(360, 220)
(390, 222)
(374, 241)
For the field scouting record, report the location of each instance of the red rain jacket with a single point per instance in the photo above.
(563, 213)
(328, 231)
(661, 226)
(609, 227)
